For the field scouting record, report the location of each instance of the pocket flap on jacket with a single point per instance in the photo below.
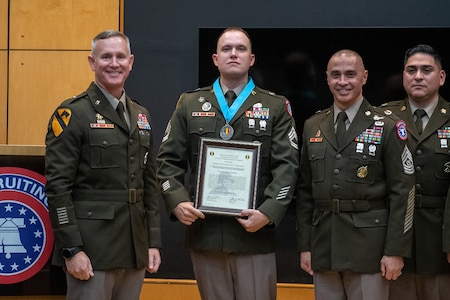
(373, 218)
(94, 210)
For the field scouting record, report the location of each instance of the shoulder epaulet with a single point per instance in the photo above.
(270, 93)
(383, 111)
(206, 88)
(322, 111)
(75, 98)
(393, 103)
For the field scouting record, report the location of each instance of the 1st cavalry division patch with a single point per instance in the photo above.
(60, 120)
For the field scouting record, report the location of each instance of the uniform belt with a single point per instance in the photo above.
(130, 195)
(337, 205)
(430, 201)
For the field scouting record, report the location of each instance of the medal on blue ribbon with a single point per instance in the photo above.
(226, 132)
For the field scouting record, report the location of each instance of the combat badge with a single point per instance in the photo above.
(60, 120)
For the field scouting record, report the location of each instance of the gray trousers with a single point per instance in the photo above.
(411, 286)
(225, 276)
(350, 286)
(120, 284)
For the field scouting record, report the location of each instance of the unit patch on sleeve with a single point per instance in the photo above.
(401, 130)
(60, 120)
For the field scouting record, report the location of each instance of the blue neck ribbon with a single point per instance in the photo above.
(229, 112)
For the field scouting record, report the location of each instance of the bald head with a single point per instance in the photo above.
(346, 76)
(349, 55)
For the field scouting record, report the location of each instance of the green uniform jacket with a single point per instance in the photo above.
(101, 182)
(355, 203)
(431, 152)
(277, 174)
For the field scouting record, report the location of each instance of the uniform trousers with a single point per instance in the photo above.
(225, 276)
(412, 286)
(349, 285)
(118, 284)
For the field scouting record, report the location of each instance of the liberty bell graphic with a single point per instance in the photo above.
(10, 237)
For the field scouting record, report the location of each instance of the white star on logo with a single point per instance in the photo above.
(14, 267)
(8, 207)
(27, 260)
(33, 220)
(37, 234)
(36, 248)
(22, 211)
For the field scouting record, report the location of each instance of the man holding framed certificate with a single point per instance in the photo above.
(241, 154)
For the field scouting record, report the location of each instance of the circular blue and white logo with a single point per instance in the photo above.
(26, 237)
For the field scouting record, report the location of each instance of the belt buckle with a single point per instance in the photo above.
(335, 205)
(132, 195)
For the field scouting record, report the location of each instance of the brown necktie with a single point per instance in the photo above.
(230, 96)
(120, 111)
(419, 113)
(340, 129)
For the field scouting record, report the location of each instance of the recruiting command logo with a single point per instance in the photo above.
(26, 237)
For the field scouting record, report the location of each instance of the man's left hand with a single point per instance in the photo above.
(154, 260)
(391, 267)
(253, 220)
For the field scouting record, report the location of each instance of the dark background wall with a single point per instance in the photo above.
(173, 42)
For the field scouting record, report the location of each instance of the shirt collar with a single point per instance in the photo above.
(236, 90)
(429, 109)
(350, 111)
(113, 100)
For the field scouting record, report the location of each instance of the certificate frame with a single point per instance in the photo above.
(227, 176)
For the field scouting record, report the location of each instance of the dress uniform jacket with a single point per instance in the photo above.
(355, 202)
(198, 115)
(101, 182)
(431, 152)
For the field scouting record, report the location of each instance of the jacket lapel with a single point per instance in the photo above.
(363, 119)
(440, 116)
(326, 127)
(102, 105)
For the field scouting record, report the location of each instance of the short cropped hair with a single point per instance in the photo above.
(109, 34)
(425, 49)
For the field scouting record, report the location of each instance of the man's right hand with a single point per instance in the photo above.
(79, 266)
(187, 213)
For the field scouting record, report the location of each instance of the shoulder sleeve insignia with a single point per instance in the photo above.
(288, 107)
(60, 120)
(402, 132)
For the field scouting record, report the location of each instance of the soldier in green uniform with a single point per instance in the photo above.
(426, 275)
(101, 182)
(233, 257)
(355, 198)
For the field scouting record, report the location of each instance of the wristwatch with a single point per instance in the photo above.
(70, 251)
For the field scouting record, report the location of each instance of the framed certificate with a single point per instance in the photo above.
(227, 176)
